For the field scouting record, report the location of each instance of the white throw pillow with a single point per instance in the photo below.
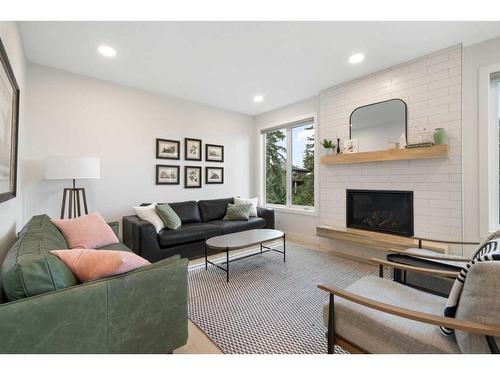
(253, 201)
(149, 214)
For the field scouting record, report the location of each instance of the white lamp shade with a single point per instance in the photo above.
(71, 167)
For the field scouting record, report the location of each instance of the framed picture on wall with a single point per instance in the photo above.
(9, 118)
(192, 177)
(168, 149)
(214, 153)
(214, 175)
(192, 149)
(167, 174)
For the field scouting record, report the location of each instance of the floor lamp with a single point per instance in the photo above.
(72, 168)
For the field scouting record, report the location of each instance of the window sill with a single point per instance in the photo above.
(292, 210)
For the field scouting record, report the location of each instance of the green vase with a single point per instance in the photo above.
(440, 136)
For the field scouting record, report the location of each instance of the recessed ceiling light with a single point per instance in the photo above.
(107, 51)
(258, 98)
(356, 58)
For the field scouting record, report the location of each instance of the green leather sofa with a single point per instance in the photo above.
(43, 309)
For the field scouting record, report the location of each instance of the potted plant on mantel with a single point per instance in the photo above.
(328, 146)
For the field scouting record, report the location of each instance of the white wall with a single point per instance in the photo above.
(431, 86)
(475, 57)
(11, 210)
(74, 115)
(298, 225)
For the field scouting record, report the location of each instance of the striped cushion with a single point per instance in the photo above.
(488, 250)
(237, 212)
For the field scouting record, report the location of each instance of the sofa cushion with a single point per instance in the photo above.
(91, 264)
(29, 269)
(378, 332)
(117, 246)
(214, 209)
(188, 233)
(86, 232)
(238, 226)
(168, 216)
(237, 212)
(253, 201)
(187, 211)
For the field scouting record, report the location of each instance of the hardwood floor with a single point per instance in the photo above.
(198, 343)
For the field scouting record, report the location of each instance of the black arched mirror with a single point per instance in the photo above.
(376, 126)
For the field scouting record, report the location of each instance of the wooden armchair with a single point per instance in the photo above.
(377, 315)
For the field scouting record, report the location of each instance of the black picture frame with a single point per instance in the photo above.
(207, 153)
(207, 179)
(187, 148)
(178, 171)
(12, 147)
(187, 176)
(158, 151)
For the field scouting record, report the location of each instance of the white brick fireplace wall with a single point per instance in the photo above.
(431, 86)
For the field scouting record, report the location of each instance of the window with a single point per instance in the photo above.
(289, 165)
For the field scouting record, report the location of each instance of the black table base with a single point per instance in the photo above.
(262, 251)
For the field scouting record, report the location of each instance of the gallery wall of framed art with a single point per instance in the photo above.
(9, 127)
(167, 174)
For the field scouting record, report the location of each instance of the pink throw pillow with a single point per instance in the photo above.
(88, 264)
(87, 232)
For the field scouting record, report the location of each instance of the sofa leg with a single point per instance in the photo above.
(331, 325)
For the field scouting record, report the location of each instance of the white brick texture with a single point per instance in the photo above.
(431, 86)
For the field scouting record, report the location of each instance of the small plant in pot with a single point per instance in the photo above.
(328, 146)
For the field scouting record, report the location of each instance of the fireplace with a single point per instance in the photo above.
(385, 211)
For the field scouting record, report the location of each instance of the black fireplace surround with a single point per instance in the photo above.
(386, 211)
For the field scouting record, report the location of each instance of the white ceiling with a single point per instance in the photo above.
(224, 64)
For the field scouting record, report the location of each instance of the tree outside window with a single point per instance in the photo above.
(289, 165)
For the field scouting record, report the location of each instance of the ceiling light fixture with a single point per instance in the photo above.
(356, 58)
(258, 98)
(107, 51)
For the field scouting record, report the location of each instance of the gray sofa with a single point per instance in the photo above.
(200, 220)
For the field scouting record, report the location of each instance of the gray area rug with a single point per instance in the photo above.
(269, 307)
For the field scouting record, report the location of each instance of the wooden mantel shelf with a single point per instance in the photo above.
(376, 240)
(431, 152)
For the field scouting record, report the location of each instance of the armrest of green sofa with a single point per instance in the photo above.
(143, 311)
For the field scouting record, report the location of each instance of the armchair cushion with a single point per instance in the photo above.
(379, 332)
(489, 251)
(479, 302)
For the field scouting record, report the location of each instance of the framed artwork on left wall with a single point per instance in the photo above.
(192, 177)
(214, 175)
(168, 149)
(9, 120)
(192, 149)
(167, 174)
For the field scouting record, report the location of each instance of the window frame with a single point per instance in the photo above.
(489, 174)
(288, 126)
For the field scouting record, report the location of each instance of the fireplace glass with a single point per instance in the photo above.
(385, 211)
